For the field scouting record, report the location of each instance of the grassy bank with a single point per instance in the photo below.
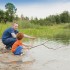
(57, 32)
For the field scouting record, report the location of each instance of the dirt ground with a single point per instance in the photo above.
(9, 61)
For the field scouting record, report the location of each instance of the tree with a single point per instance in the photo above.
(6, 17)
(1, 15)
(16, 17)
(57, 19)
(22, 17)
(65, 17)
(11, 9)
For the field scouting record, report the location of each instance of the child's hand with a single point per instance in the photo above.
(29, 47)
(26, 48)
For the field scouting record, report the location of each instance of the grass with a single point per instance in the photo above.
(3, 27)
(56, 32)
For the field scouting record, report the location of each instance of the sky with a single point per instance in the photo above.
(38, 8)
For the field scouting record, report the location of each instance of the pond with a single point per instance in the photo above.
(45, 55)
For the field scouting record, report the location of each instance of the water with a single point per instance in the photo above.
(53, 56)
(56, 57)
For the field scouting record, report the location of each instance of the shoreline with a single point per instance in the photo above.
(38, 58)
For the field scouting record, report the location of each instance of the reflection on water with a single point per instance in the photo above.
(44, 58)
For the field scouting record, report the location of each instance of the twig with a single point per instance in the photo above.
(45, 46)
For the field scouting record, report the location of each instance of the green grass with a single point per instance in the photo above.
(3, 27)
(56, 32)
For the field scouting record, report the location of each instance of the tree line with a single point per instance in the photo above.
(10, 15)
(53, 19)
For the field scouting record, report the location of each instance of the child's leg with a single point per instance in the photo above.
(18, 50)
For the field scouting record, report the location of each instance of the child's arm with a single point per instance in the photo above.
(26, 46)
(29, 46)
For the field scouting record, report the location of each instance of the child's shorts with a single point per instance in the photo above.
(18, 50)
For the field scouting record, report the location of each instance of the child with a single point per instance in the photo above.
(18, 46)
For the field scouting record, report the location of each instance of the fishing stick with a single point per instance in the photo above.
(45, 46)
